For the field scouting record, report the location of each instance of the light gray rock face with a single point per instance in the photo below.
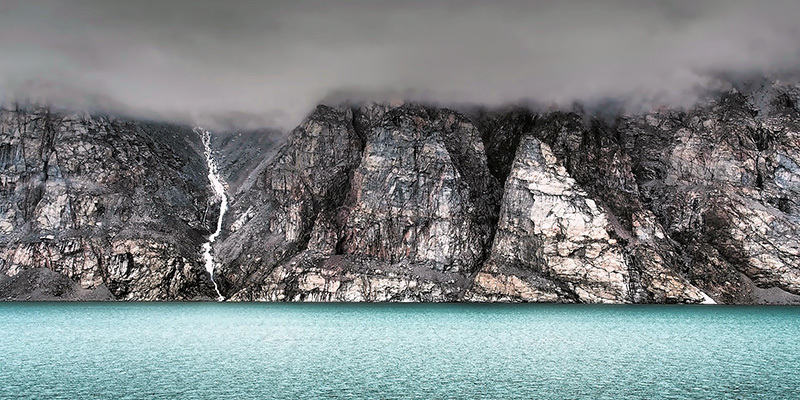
(103, 202)
(722, 181)
(554, 242)
(549, 226)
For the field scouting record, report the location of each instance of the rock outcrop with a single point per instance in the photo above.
(42, 284)
(104, 202)
(722, 183)
(520, 206)
(407, 202)
(376, 203)
(553, 231)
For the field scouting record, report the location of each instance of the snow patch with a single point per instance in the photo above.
(707, 299)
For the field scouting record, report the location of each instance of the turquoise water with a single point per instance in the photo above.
(424, 351)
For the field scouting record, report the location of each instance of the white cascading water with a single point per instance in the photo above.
(219, 193)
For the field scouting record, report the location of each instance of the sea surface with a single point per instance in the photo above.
(387, 351)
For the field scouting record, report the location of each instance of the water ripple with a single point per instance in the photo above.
(257, 351)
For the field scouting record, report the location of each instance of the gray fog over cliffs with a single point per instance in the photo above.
(410, 202)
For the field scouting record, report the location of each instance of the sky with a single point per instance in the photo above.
(268, 63)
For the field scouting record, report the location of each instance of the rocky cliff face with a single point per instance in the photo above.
(408, 202)
(426, 204)
(374, 203)
(111, 205)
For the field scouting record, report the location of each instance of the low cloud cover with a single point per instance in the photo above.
(258, 63)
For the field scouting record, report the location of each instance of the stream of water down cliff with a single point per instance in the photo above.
(219, 194)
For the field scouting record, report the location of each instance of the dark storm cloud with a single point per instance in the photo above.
(270, 62)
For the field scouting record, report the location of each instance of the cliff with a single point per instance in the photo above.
(410, 202)
(112, 205)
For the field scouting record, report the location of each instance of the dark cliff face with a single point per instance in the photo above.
(372, 203)
(416, 203)
(110, 204)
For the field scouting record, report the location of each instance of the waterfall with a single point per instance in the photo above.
(219, 193)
